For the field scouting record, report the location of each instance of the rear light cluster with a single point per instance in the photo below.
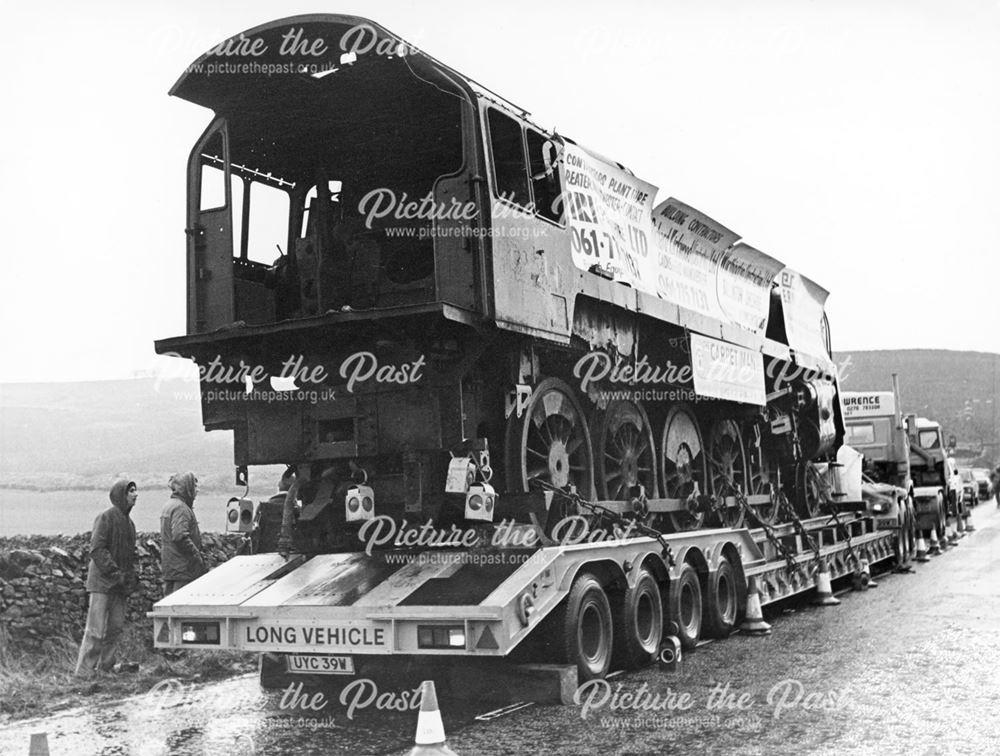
(440, 636)
(200, 633)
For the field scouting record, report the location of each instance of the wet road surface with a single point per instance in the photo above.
(910, 667)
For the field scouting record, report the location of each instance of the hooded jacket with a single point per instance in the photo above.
(112, 546)
(180, 537)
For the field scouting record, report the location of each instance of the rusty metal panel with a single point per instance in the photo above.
(532, 275)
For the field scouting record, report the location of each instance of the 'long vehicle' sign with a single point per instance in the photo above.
(277, 635)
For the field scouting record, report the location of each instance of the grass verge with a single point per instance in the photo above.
(38, 683)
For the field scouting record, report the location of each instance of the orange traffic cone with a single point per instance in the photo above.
(430, 740)
(753, 623)
(944, 542)
(922, 547)
(969, 527)
(866, 569)
(952, 537)
(824, 588)
(39, 744)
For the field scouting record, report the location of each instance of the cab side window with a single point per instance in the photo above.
(507, 144)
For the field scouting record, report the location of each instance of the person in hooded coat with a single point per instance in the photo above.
(110, 579)
(181, 557)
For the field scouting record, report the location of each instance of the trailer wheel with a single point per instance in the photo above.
(638, 627)
(724, 600)
(584, 629)
(686, 606)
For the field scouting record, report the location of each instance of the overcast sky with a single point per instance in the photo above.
(855, 141)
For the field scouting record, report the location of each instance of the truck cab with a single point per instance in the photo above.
(931, 473)
(874, 428)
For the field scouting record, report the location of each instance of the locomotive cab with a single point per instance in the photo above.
(313, 191)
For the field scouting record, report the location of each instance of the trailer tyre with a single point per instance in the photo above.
(585, 632)
(638, 627)
(724, 601)
(686, 606)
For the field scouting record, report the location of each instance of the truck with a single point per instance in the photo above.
(934, 475)
(876, 429)
(523, 409)
(905, 452)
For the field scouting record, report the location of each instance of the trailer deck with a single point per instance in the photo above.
(470, 602)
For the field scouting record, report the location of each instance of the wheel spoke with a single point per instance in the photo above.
(643, 447)
(536, 472)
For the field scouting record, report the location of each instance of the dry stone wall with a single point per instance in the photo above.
(43, 594)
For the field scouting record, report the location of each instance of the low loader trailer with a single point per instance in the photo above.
(594, 605)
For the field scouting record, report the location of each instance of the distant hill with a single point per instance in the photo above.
(80, 435)
(961, 390)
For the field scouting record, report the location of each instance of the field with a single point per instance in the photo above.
(52, 512)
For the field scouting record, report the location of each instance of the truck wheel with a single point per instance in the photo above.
(942, 521)
(723, 607)
(911, 528)
(638, 627)
(584, 629)
(685, 606)
(902, 548)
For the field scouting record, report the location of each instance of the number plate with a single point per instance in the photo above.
(308, 664)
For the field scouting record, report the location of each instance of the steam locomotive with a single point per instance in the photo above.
(431, 308)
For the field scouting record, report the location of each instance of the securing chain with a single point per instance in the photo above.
(785, 506)
(596, 509)
(831, 507)
(748, 511)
